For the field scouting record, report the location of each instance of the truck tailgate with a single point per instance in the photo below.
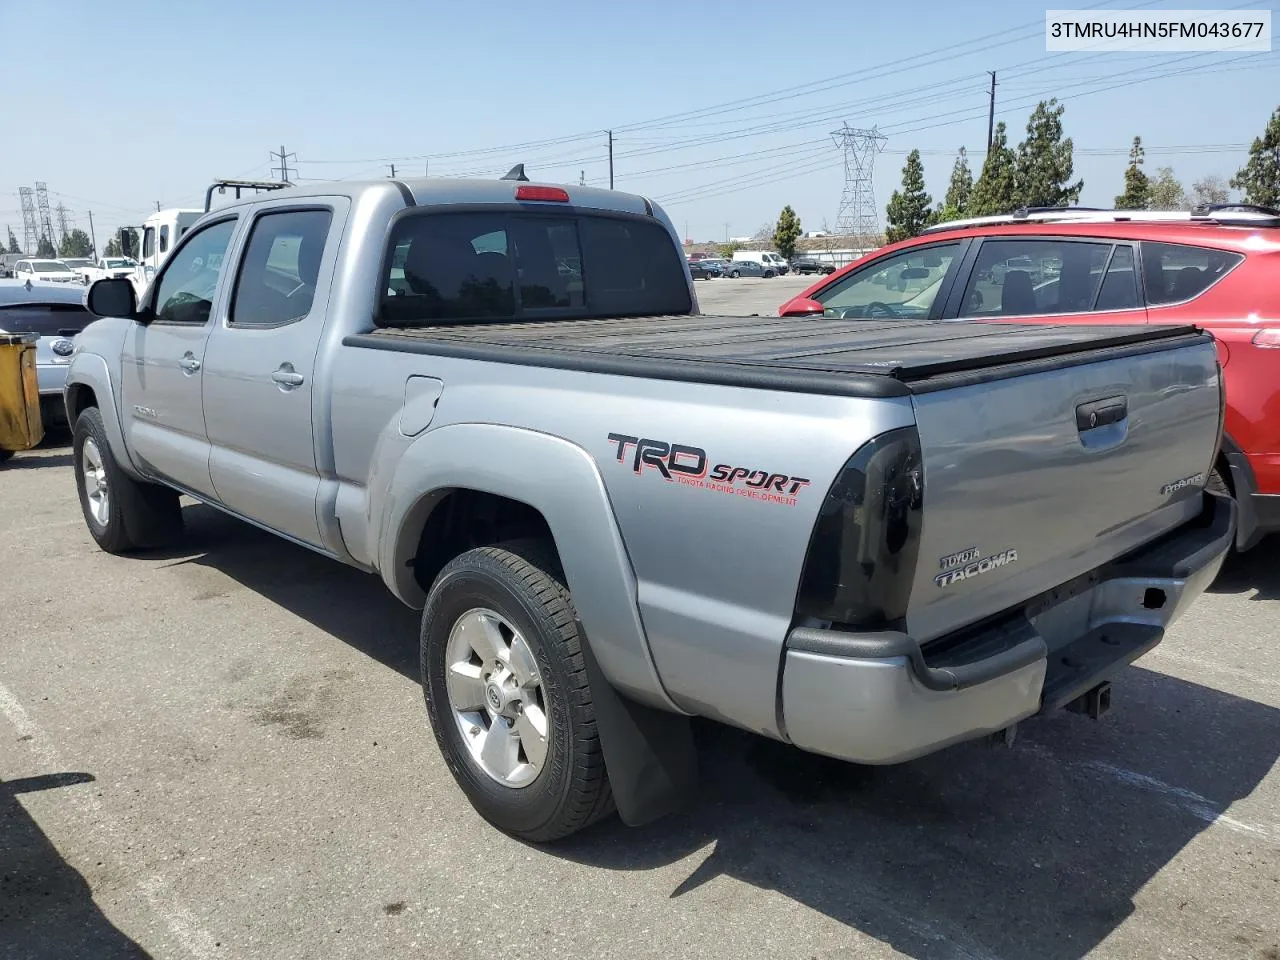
(1038, 472)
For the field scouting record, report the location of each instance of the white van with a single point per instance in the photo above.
(774, 265)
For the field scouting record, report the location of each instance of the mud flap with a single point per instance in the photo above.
(649, 754)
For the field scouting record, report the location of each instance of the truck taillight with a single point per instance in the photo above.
(863, 551)
(529, 192)
(1268, 337)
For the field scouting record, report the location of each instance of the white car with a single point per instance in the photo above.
(46, 271)
(78, 264)
(110, 268)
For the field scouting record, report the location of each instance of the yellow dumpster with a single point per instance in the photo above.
(20, 425)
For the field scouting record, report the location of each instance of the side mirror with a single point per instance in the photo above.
(800, 307)
(112, 298)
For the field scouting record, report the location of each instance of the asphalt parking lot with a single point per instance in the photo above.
(222, 751)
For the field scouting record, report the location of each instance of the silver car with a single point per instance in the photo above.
(56, 312)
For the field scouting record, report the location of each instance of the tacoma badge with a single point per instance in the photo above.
(976, 567)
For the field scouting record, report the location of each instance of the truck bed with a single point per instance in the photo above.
(830, 356)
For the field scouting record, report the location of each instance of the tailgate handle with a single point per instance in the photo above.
(1099, 413)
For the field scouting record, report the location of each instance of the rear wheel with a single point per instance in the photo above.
(122, 514)
(507, 693)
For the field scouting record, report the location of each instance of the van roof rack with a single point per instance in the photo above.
(238, 185)
(1228, 214)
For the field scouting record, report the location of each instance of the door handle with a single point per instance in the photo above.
(189, 363)
(1099, 413)
(287, 377)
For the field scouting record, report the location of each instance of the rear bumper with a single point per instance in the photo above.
(878, 698)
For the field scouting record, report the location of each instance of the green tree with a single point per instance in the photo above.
(908, 211)
(113, 248)
(995, 191)
(959, 191)
(1209, 189)
(13, 242)
(1166, 192)
(1044, 164)
(1259, 179)
(787, 232)
(45, 248)
(727, 250)
(1137, 185)
(75, 244)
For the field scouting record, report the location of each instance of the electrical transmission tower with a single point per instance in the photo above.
(61, 211)
(42, 206)
(30, 226)
(284, 159)
(858, 216)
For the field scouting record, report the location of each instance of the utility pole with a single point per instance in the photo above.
(991, 111)
(610, 159)
(582, 178)
(726, 233)
(284, 159)
(93, 237)
(157, 206)
(393, 170)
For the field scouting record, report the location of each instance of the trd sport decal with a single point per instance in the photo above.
(679, 463)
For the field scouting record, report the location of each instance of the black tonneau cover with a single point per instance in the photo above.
(820, 355)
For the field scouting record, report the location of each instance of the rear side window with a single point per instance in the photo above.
(469, 267)
(1013, 278)
(1120, 285)
(281, 268)
(1175, 272)
(45, 319)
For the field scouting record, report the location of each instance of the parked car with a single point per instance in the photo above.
(78, 266)
(1215, 268)
(699, 272)
(807, 265)
(746, 268)
(616, 511)
(717, 264)
(44, 271)
(57, 313)
(772, 264)
(106, 268)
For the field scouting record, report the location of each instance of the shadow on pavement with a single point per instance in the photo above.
(37, 458)
(1036, 851)
(1256, 571)
(46, 907)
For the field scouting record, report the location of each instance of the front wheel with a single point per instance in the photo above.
(506, 690)
(122, 513)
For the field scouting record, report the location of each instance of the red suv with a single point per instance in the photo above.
(1217, 268)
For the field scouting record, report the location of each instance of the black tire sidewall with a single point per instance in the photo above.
(111, 535)
(477, 582)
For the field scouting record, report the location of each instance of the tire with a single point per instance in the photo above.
(136, 515)
(5, 455)
(518, 588)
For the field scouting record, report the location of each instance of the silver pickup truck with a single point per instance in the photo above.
(869, 539)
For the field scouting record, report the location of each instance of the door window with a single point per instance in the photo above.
(186, 288)
(148, 242)
(1035, 276)
(280, 269)
(164, 238)
(902, 285)
(1177, 272)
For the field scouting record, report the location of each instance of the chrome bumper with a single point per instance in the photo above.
(880, 698)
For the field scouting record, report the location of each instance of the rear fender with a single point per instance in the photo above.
(556, 478)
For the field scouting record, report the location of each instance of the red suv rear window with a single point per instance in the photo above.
(1176, 272)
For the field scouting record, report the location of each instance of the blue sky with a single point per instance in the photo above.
(721, 113)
